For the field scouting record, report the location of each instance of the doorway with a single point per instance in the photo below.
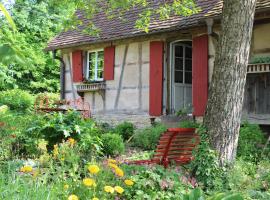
(181, 76)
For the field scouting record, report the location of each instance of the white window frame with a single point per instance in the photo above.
(96, 65)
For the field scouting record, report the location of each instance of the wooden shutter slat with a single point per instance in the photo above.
(156, 78)
(77, 66)
(199, 74)
(109, 57)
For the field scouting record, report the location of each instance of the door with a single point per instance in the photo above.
(182, 76)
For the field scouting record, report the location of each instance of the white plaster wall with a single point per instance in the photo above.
(128, 93)
(70, 90)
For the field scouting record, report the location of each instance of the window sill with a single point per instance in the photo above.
(258, 68)
(88, 87)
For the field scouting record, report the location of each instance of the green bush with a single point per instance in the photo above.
(251, 143)
(16, 99)
(112, 144)
(147, 138)
(188, 124)
(249, 179)
(205, 166)
(52, 98)
(125, 129)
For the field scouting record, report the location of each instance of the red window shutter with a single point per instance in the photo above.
(77, 66)
(109, 54)
(156, 78)
(199, 74)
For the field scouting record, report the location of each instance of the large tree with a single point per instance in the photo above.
(224, 109)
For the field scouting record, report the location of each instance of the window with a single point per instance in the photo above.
(95, 65)
(183, 63)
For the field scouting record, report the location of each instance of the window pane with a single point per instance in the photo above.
(188, 65)
(91, 71)
(100, 74)
(96, 65)
(188, 52)
(188, 77)
(178, 51)
(100, 55)
(91, 75)
(92, 58)
(178, 78)
(178, 63)
(100, 65)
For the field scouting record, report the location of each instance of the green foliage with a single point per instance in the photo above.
(196, 194)
(205, 165)
(24, 63)
(57, 127)
(22, 133)
(241, 175)
(7, 16)
(226, 196)
(125, 129)
(147, 138)
(260, 59)
(16, 99)
(251, 143)
(14, 140)
(112, 144)
(249, 179)
(157, 183)
(188, 124)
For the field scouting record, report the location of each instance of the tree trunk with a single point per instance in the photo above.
(226, 94)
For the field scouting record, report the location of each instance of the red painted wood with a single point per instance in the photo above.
(156, 78)
(199, 74)
(169, 152)
(77, 66)
(109, 57)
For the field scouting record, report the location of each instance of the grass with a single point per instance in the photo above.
(15, 186)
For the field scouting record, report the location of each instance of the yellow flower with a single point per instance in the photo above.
(109, 189)
(26, 169)
(95, 198)
(71, 141)
(89, 182)
(112, 161)
(93, 169)
(119, 189)
(114, 166)
(73, 197)
(66, 186)
(119, 172)
(129, 182)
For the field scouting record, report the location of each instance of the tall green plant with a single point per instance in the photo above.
(205, 166)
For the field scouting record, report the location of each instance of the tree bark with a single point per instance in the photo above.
(226, 93)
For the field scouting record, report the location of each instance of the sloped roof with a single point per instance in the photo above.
(113, 29)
